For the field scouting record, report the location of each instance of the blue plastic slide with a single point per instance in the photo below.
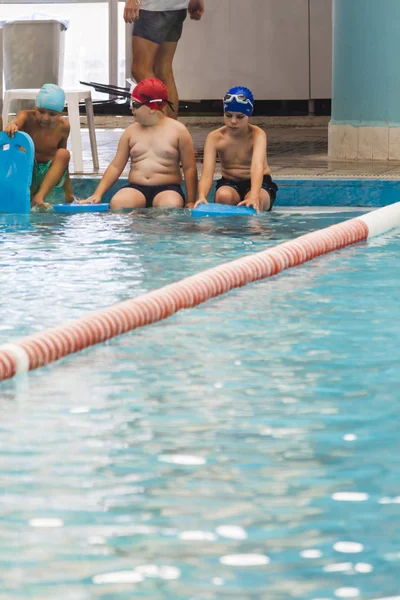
(16, 165)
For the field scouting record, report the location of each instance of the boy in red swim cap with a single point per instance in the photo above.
(156, 146)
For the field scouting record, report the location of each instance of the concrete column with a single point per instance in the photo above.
(113, 42)
(365, 122)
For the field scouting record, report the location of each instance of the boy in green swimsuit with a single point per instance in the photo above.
(49, 132)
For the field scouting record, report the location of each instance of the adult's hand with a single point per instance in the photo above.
(131, 11)
(196, 9)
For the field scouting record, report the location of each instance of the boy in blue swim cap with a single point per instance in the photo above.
(242, 150)
(49, 132)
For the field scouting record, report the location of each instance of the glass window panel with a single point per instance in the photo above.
(86, 40)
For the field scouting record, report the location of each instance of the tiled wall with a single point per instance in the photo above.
(293, 192)
(347, 142)
(320, 49)
(281, 49)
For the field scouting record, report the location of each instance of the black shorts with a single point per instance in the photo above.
(243, 186)
(151, 191)
(160, 26)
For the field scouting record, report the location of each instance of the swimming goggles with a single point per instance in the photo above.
(240, 98)
(136, 104)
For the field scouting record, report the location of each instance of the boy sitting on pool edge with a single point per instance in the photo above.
(49, 132)
(242, 150)
(156, 146)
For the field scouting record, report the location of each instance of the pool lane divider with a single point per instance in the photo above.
(42, 348)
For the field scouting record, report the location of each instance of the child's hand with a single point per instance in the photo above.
(91, 200)
(252, 200)
(74, 200)
(40, 206)
(71, 199)
(201, 200)
(11, 129)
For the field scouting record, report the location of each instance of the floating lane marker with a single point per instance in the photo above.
(52, 344)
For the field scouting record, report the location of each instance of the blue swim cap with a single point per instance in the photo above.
(239, 99)
(51, 97)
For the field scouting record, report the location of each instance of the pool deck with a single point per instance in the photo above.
(297, 147)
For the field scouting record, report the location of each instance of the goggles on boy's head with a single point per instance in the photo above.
(240, 98)
(136, 104)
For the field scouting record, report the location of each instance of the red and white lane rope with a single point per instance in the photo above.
(52, 344)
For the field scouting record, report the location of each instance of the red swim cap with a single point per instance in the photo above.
(151, 89)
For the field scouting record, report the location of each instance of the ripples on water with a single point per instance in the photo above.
(247, 448)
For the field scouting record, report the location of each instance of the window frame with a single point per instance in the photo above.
(112, 28)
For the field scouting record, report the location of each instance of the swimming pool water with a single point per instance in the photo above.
(247, 448)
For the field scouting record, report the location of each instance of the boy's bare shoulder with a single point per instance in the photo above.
(28, 115)
(217, 134)
(131, 127)
(257, 130)
(64, 125)
(130, 130)
(179, 127)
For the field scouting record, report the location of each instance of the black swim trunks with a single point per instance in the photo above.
(160, 26)
(151, 191)
(243, 186)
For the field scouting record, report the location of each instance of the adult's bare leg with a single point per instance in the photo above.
(163, 70)
(143, 57)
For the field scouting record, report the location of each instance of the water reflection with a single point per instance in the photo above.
(245, 449)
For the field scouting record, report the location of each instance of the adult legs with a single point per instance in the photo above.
(143, 57)
(155, 60)
(163, 70)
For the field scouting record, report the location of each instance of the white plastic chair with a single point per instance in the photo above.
(72, 99)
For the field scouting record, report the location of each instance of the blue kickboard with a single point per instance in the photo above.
(17, 155)
(222, 210)
(80, 208)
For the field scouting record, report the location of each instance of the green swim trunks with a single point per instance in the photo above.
(39, 173)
